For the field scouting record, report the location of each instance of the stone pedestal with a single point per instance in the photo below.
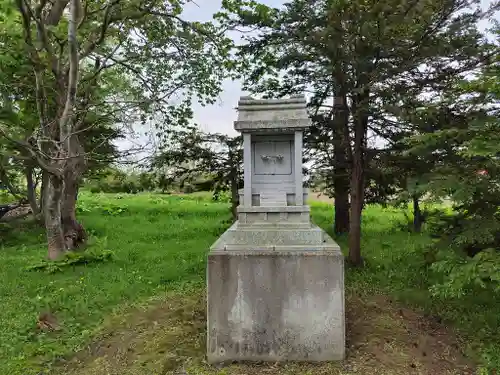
(275, 280)
(276, 304)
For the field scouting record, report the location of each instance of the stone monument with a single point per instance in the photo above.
(275, 281)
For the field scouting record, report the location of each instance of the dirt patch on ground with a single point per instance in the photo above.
(169, 338)
(389, 339)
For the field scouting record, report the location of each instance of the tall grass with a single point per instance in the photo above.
(159, 243)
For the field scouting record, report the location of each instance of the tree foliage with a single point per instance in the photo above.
(92, 65)
(465, 143)
(368, 55)
(192, 152)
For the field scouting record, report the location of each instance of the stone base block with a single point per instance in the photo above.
(273, 236)
(251, 218)
(277, 234)
(290, 197)
(281, 305)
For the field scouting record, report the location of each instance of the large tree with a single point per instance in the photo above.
(325, 147)
(141, 53)
(368, 54)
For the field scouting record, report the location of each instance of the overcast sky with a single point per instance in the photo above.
(219, 117)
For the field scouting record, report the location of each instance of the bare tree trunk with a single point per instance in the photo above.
(357, 177)
(341, 199)
(356, 211)
(74, 233)
(341, 170)
(52, 215)
(43, 188)
(31, 193)
(417, 214)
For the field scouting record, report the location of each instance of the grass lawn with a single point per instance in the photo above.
(143, 311)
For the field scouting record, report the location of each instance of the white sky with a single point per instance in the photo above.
(219, 117)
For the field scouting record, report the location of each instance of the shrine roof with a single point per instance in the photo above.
(272, 115)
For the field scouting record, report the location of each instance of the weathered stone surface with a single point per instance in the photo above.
(264, 218)
(275, 115)
(255, 235)
(276, 306)
(290, 196)
(275, 280)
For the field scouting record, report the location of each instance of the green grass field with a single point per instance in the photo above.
(142, 312)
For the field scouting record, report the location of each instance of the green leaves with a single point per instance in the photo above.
(468, 172)
(189, 153)
(72, 259)
(482, 271)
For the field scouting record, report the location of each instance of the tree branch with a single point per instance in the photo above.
(54, 15)
(65, 123)
(36, 15)
(106, 22)
(26, 146)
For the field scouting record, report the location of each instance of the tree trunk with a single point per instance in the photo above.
(31, 193)
(341, 199)
(357, 187)
(43, 188)
(417, 214)
(52, 214)
(360, 116)
(74, 233)
(341, 170)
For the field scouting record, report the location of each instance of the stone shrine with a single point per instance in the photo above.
(275, 280)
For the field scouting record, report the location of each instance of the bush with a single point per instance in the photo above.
(431, 216)
(116, 181)
(71, 259)
(465, 254)
(222, 196)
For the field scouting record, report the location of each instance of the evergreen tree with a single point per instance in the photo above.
(466, 146)
(190, 152)
(366, 53)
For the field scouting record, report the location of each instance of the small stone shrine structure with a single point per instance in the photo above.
(275, 281)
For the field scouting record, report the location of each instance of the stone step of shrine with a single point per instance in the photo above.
(271, 218)
(287, 215)
(327, 248)
(262, 236)
(274, 225)
(262, 209)
(290, 196)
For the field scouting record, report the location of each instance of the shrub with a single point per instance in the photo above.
(465, 253)
(116, 181)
